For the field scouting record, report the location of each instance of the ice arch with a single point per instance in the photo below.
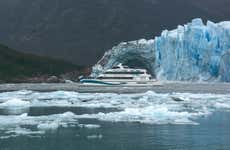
(138, 54)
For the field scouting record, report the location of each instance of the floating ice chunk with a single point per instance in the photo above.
(222, 105)
(15, 106)
(90, 126)
(68, 81)
(48, 126)
(95, 136)
(67, 115)
(150, 93)
(15, 103)
(8, 136)
(149, 115)
(23, 131)
(13, 124)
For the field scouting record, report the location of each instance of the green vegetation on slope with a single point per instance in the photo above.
(15, 64)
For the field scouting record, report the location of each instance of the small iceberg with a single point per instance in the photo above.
(15, 103)
(95, 136)
(15, 106)
(90, 126)
(48, 126)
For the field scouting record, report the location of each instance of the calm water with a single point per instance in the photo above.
(69, 121)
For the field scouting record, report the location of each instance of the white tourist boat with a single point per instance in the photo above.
(122, 75)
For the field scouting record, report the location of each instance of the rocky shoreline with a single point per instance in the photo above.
(67, 77)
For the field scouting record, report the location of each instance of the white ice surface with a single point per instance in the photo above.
(148, 108)
(15, 102)
(89, 126)
(14, 124)
(95, 136)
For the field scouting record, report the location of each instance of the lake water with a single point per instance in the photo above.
(75, 121)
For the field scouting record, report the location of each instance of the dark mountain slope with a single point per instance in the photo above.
(81, 30)
(16, 65)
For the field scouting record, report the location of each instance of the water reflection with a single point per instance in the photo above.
(14, 110)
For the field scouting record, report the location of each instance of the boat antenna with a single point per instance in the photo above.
(120, 65)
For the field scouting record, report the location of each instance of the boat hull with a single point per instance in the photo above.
(118, 82)
(97, 82)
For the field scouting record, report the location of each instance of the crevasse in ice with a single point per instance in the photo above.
(193, 52)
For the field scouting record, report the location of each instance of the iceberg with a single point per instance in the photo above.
(192, 52)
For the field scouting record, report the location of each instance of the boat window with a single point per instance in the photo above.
(136, 72)
(116, 67)
(115, 77)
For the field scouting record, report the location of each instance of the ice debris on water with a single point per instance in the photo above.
(15, 124)
(95, 136)
(148, 108)
(48, 126)
(15, 102)
(89, 126)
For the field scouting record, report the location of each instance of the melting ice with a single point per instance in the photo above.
(147, 108)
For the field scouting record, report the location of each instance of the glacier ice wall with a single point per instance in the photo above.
(225, 67)
(193, 52)
(141, 51)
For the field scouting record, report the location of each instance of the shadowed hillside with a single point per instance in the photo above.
(16, 66)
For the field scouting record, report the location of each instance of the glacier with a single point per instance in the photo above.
(192, 52)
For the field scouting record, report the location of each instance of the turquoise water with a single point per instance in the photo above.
(69, 121)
